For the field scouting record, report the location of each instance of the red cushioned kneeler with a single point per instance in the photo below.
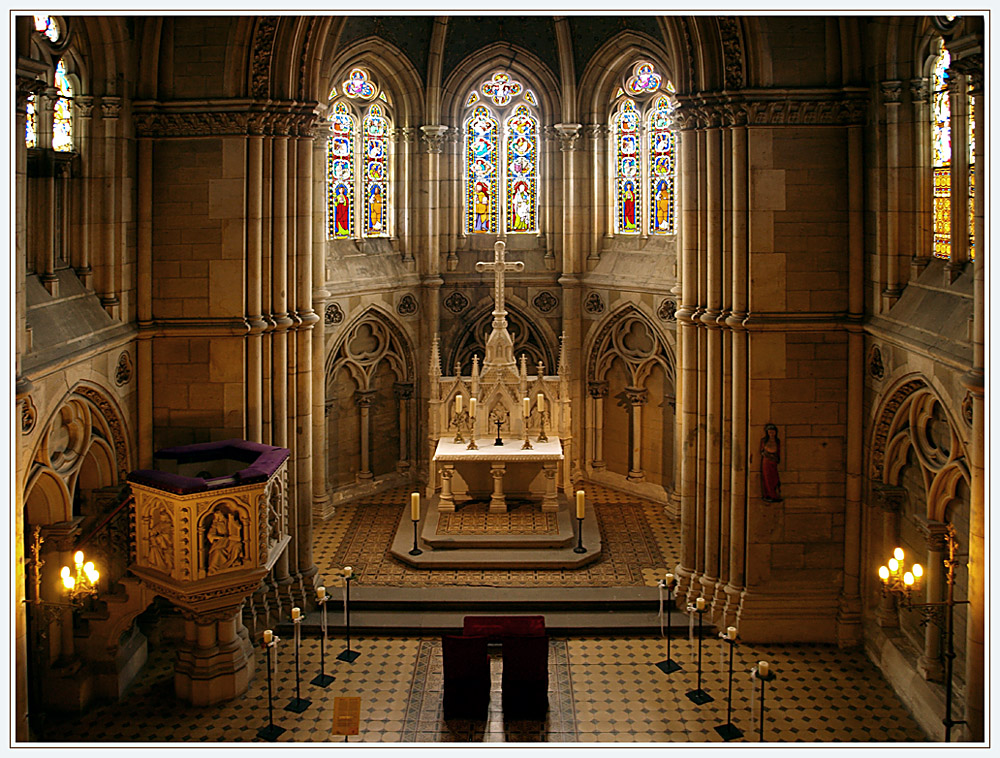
(466, 676)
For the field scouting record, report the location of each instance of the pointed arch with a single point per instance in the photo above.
(609, 341)
(534, 339)
(361, 351)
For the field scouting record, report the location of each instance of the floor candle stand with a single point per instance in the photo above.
(416, 549)
(669, 666)
(579, 537)
(729, 731)
(297, 704)
(322, 679)
(272, 731)
(699, 696)
(763, 678)
(348, 655)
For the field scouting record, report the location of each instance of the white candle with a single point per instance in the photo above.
(472, 407)
(541, 402)
(296, 614)
(320, 592)
(527, 407)
(763, 667)
(458, 403)
(580, 497)
(415, 506)
(731, 632)
(268, 636)
(348, 571)
(670, 579)
(700, 604)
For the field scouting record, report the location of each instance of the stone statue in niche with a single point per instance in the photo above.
(770, 457)
(225, 540)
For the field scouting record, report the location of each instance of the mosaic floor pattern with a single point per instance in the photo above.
(475, 518)
(637, 537)
(602, 690)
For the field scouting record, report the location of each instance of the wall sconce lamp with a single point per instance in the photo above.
(899, 584)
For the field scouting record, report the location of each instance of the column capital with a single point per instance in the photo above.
(888, 497)
(111, 106)
(403, 390)
(636, 395)
(433, 135)
(568, 135)
(919, 90)
(364, 398)
(935, 532)
(892, 91)
(597, 390)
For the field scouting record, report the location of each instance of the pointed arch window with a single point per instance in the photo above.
(500, 157)
(644, 154)
(359, 166)
(941, 163)
(31, 122)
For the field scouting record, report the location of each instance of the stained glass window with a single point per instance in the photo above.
(340, 174)
(662, 155)
(628, 181)
(47, 26)
(376, 172)
(972, 179)
(522, 158)
(643, 81)
(62, 112)
(941, 155)
(358, 85)
(482, 170)
(31, 123)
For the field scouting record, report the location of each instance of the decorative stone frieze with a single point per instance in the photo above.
(260, 56)
(232, 118)
(113, 420)
(704, 112)
(732, 51)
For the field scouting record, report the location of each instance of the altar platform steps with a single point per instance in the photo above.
(567, 610)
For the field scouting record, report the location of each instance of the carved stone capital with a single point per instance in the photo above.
(919, 90)
(433, 135)
(84, 105)
(568, 135)
(595, 131)
(636, 395)
(111, 107)
(936, 534)
(364, 398)
(971, 66)
(888, 497)
(403, 390)
(892, 90)
(957, 84)
(597, 390)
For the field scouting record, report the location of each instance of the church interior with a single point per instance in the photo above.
(356, 356)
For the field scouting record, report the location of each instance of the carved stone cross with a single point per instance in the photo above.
(499, 266)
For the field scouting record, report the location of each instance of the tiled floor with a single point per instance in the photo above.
(601, 689)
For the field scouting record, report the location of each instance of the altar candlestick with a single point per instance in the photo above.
(458, 403)
(541, 402)
(579, 503)
(415, 506)
(527, 407)
(472, 407)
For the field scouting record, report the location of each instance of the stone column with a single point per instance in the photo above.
(45, 263)
(930, 663)
(144, 300)
(215, 659)
(849, 630)
(321, 505)
(304, 348)
(84, 105)
(598, 190)
(498, 503)
(112, 251)
(738, 472)
(713, 358)
(364, 399)
(687, 392)
(404, 393)
(598, 392)
(923, 178)
(958, 99)
(636, 398)
(891, 93)
(255, 319)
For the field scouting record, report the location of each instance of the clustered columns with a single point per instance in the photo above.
(365, 399)
(597, 391)
(636, 397)
(958, 87)
(404, 398)
(929, 663)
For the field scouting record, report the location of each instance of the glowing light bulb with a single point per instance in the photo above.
(91, 572)
(918, 570)
(898, 553)
(908, 579)
(78, 558)
(883, 573)
(893, 565)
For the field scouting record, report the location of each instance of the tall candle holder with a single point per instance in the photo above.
(543, 416)
(729, 731)
(458, 421)
(527, 438)
(763, 678)
(272, 731)
(322, 679)
(669, 666)
(699, 696)
(416, 549)
(471, 428)
(348, 655)
(297, 704)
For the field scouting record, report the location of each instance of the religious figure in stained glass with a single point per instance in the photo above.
(661, 175)
(31, 123)
(482, 157)
(62, 112)
(628, 200)
(376, 171)
(340, 173)
(941, 156)
(522, 152)
(628, 207)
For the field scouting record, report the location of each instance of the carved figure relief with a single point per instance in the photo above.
(223, 531)
(770, 457)
(160, 531)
